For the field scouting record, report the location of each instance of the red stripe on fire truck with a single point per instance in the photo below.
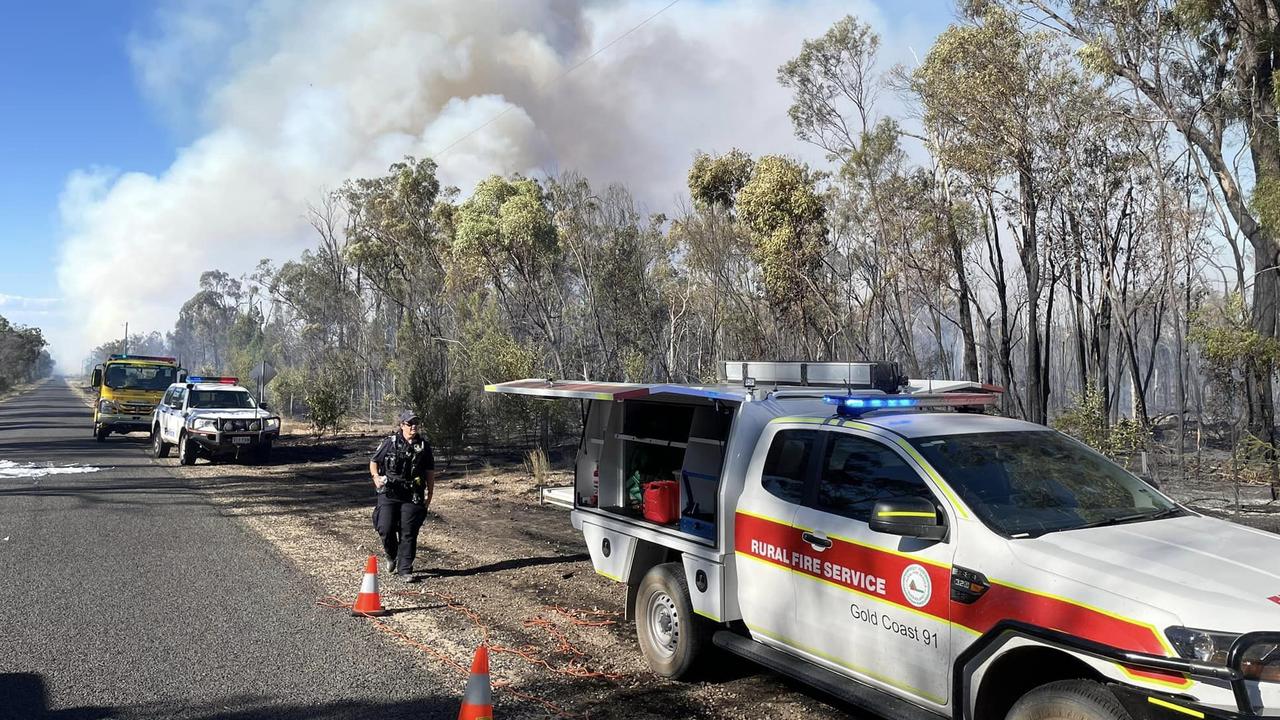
(878, 573)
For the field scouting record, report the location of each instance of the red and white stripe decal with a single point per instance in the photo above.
(850, 565)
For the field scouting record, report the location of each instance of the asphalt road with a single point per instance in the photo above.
(125, 594)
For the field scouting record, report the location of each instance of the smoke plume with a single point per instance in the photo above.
(283, 100)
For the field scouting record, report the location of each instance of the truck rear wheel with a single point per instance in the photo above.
(671, 635)
(1068, 700)
(159, 448)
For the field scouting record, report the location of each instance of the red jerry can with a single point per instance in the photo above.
(662, 502)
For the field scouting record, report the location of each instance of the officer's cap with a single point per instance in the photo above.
(408, 416)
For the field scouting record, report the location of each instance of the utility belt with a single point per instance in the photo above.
(402, 489)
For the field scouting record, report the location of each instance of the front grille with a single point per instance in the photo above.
(136, 408)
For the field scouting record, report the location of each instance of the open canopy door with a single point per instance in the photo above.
(577, 389)
(587, 390)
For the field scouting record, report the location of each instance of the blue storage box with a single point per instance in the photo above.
(701, 528)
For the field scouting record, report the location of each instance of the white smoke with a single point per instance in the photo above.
(285, 99)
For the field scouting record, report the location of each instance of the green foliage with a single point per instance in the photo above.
(1096, 59)
(22, 355)
(1229, 346)
(1196, 16)
(1086, 421)
(328, 394)
(983, 85)
(828, 72)
(289, 385)
(714, 181)
(504, 230)
(1265, 202)
(786, 217)
(1252, 460)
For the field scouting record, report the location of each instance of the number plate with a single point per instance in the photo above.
(241, 440)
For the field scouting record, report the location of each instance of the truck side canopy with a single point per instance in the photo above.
(586, 390)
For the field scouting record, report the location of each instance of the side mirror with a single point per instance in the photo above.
(912, 517)
(182, 376)
(265, 406)
(96, 380)
(1150, 481)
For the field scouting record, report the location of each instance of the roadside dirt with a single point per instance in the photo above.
(493, 566)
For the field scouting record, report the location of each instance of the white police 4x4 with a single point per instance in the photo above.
(914, 562)
(212, 416)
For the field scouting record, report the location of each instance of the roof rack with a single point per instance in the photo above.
(886, 377)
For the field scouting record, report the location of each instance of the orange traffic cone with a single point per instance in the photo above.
(369, 602)
(477, 701)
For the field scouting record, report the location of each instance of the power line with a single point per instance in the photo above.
(557, 78)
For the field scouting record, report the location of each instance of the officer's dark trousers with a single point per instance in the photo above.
(398, 524)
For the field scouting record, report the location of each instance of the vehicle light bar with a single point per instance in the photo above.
(853, 405)
(157, 358)
(221, 380)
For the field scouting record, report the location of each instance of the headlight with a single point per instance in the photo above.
(204, 424)
(255, 425)
(1203, 645)
(273, 423)
(1261, 661)
(106, 406)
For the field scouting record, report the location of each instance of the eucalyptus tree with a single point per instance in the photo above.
(1208, 68)
(990, 86)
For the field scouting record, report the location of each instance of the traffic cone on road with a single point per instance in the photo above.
(369, 602)
(477, 701)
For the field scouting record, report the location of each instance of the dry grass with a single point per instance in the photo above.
(538, 467)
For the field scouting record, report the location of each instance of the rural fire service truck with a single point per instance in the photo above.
(129, 386)
(877, 538)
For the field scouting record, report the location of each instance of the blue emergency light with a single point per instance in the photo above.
(855, 405)
(222, 380)
(852, 405)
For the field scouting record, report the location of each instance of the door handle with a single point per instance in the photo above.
(817, 541)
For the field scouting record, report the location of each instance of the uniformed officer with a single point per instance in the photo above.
(403, 470)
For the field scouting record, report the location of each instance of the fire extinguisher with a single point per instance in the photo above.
(595, 486)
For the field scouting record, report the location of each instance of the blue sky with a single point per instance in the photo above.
(68, 101)
(118, 93)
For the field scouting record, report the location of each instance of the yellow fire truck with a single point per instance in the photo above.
(129, 388)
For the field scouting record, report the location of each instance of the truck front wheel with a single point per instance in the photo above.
(101, 432)
(671, 635)
(186, 450)
(1068, 700)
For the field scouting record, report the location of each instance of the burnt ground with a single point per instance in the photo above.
(493, 566)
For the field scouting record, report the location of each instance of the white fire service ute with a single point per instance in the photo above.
(873, 536)
(214, 417)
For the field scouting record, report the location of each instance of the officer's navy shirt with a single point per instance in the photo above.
(423, 461)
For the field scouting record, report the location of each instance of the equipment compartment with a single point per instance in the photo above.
(629, 444)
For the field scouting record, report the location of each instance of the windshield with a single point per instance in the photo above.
(1030, 483)
(221, 399)
(140, 377)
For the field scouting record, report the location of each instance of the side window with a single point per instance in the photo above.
(167, 394)
(856, 473)
(176, 401)
(787, 463)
